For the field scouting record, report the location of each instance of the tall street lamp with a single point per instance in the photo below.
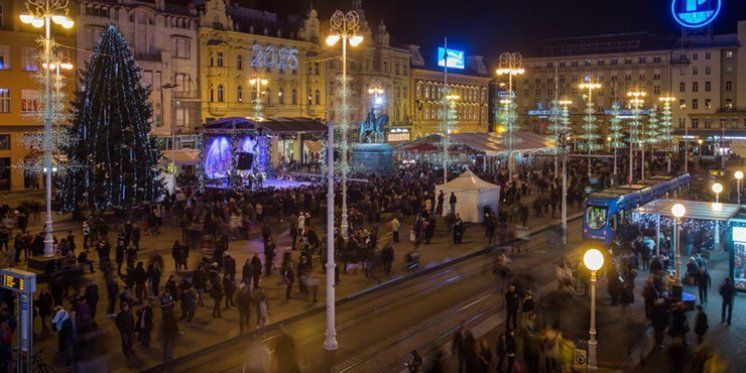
(637, 99)
(678, 211)
(510, 64)
(43, 14)
(717, 188)
(593, 260)
(590, 119)
(564, 135)
(739, 179)
(258, 82)
(343, 27)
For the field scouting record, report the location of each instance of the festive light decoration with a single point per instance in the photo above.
(118, 158)
(510, 64)
(665, 130)
(450, 118)
(652, 135)
(589, 135)
(615, 127)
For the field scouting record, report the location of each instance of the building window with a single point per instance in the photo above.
(708, 70)
(212, 94)
(728, 104)
(180, 48)
(4, 57)
(708, 123)
(317, 97)
(316, 68)
(728, 86)
(239, 62)
(220, 59)
(4, 100)
(181, 80)
(695, 56)
(601, 62)
(4, 142)
(220, 93)
(656, 76)
(309, 98)
(642, 60)
(695, 123)
(708, 55)
(695, 87)
(28, 59)
(1, 15)
(682, 122)
(183, 117)
(656, 90)
(682, 104)
(268, 94)
(708, 103)
(628, 77)
(627, 61)
(29, 101)
(734, 123)
(614, 61)
(657, 59)
(239, 94)
(294, 97)
(695, 70)
(708, 86)
(695, 104)
(281, 96)
(729, 54)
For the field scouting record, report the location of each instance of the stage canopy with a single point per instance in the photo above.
(694, 209)
(488, 143)
(275, 126)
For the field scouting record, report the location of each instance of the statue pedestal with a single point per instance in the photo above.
(373, 158)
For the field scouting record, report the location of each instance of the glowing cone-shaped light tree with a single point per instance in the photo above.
(665, 129)
(615, 132)
(590, 129)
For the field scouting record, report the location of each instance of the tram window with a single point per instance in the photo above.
(613, 219)
(595, 217)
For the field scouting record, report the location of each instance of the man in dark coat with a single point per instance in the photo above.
(727, 291)
(511, 307)
(703, 280)
(255, 269)
(126, 325)
(91, 298)
(244, 307)
(269, 256)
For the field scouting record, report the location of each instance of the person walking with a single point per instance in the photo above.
(144, 324)
(660, 317)
(188, 303)
(244, 307)
(112, 294)
(169, 327)
(63, 324)
(395, 227)
(126, 325)
(510, 348)
(255, 270)
(229, 287)
(288, 277)
(269, 256)
(511, 307)
(91, 299)
(452, 200)
(727, 291)
(700, 324)
(154, 276)
(703, 281)
(262, 312)
(217, 295)
(140, 277)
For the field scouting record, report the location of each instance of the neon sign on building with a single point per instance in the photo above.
(695, 13)
(274, 58)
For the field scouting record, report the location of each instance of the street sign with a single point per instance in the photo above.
(580, 360)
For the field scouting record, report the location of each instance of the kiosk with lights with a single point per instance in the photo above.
(24, 284)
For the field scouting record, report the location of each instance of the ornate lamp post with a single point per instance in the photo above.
(564, 135)
(343, 27)
(637, 98)
(258, 82)
(590, 119)
(739, 179)
(678, 211)
(510, 64)
(593, 260)
(43, 14)
(617, 138)
(717, 188)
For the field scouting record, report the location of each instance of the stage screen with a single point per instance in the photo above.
(455, 58)
(218, 158)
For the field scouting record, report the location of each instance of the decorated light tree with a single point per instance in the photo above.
(652, 135)
(615, 132)
(116, 158)
(590, 129)
(665, 129)
(556, 128)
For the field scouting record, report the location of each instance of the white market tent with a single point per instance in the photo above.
(472, 195)
(486, 143)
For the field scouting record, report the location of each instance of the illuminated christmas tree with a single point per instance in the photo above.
(117, 158)
(615, 127)
(652, 135)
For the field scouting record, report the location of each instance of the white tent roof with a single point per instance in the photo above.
(469, 181)
(487, 142)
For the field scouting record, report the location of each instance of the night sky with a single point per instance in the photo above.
(490, 27)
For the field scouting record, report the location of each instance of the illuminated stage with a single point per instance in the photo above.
(269, 183)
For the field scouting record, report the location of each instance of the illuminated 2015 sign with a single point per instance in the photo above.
(695, 13)
(274, 58)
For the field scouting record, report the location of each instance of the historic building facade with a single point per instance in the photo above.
(700, 70)
(21, 95)
(471, 86)
(163, 37)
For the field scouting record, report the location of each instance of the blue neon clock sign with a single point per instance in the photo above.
(695, 13)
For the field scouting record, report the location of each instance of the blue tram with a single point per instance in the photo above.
(605, 210)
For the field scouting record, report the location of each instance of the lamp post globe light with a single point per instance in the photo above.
(717, 188)
(678, 211)
(43, 13)
(564, 135)
(593, 260)
(739, 179)
(510, 64)
(636, 100)
(343, 27)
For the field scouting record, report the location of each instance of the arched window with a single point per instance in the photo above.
(294, 97)
(281, 96)
(220, 59)
(268, 93)
(220, 93)
(317, 97)
(239, 62)
(239, 94)
(212, 93)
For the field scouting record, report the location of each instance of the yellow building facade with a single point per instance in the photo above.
(20, 92)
